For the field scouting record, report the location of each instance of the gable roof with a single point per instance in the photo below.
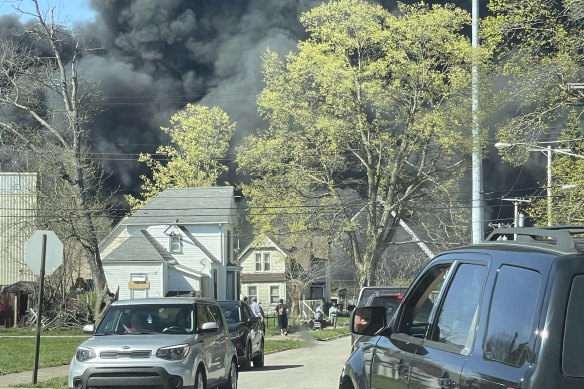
(262, 241)
(139, 247)
(210, 205)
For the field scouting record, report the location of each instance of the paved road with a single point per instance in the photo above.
(316, 366)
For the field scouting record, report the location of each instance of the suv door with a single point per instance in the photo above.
(391, 362)
(254, 328)
(220, 362)
(439, 360)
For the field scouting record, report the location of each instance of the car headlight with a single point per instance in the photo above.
(84, 354)
(237, 334)
(173, 352)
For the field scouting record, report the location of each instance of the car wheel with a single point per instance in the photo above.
(258, 360)
(346, 384)
(200, 381)
(246, 360)
(232, 378)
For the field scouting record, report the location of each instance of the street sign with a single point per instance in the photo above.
(33, 252)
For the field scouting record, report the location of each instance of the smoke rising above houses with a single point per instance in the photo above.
(154, 57)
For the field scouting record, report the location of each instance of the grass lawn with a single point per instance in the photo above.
(18, 353)
(57, 349)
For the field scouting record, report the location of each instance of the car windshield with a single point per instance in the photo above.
(230, 311)
(147, 319)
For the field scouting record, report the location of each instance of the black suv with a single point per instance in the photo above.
(501, 314)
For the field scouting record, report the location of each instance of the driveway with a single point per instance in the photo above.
(315, 366)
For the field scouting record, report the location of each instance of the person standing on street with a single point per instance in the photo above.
(333, 313)
(257, 311)
(282, 313)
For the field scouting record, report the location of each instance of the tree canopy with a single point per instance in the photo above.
(195, 156)
(540, 57)
(372, 104)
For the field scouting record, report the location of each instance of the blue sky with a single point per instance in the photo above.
(67, 12)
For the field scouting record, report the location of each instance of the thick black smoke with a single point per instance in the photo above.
(155, 56)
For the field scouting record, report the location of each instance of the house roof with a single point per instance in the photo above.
(139, 247)
(264, 240)
(210, 205)
(262, 277)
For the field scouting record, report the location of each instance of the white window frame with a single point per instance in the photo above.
(263, 258)
(274, 298)
(229, 245)
(174, 243)
(250, 296)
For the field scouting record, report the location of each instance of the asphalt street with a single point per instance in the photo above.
(316, 366)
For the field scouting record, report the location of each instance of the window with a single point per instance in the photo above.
(203, 315)
(230, 285)
(252, 291)
(511, 316)
(573, 340)
(459, 312)
(215, 282)
(229, 249)
(415, 316)
(275, 294)
(215, 314)
(263, 262)
(174, 243)
(267, 262)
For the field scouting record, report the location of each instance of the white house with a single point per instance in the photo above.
(181, 242)
(266, 269)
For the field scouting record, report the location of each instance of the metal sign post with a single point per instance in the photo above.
(39, 311)
(51, 254)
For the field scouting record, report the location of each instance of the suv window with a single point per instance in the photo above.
(415, 316)
(573, 340)
(215, 314)
(511, 315)
(459, 312)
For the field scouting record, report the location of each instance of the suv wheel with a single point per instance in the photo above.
(200, 382)
(258, 361)
(232, 378)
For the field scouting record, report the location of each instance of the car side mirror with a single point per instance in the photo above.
(209, 327)
(89, 328)
(254, 319)
(368, 320)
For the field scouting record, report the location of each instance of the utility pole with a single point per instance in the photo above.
(517, 217)
(477, 179)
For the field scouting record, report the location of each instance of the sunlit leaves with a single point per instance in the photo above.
(196, 155)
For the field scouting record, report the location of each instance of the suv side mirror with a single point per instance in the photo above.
(254, 319)
(209, 327)
(368, 320)
(89, 328)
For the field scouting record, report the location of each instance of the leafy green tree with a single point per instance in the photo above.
(538, 46)
(367, 122)
(196, 155)
(47, 106)
(568, 173)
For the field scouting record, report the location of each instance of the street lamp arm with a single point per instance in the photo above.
(503, 145)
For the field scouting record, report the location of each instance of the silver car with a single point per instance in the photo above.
(167, 343)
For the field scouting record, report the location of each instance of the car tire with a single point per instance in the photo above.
(232, 377)
(246, 360)
(258, 360)
(200, 380)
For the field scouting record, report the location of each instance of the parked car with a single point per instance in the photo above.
(246, 333)
(501, 314)
(368, 291)
(166, 343)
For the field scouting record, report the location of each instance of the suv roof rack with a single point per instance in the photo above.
(566, 238)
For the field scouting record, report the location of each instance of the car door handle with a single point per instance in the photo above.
(446, 383)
